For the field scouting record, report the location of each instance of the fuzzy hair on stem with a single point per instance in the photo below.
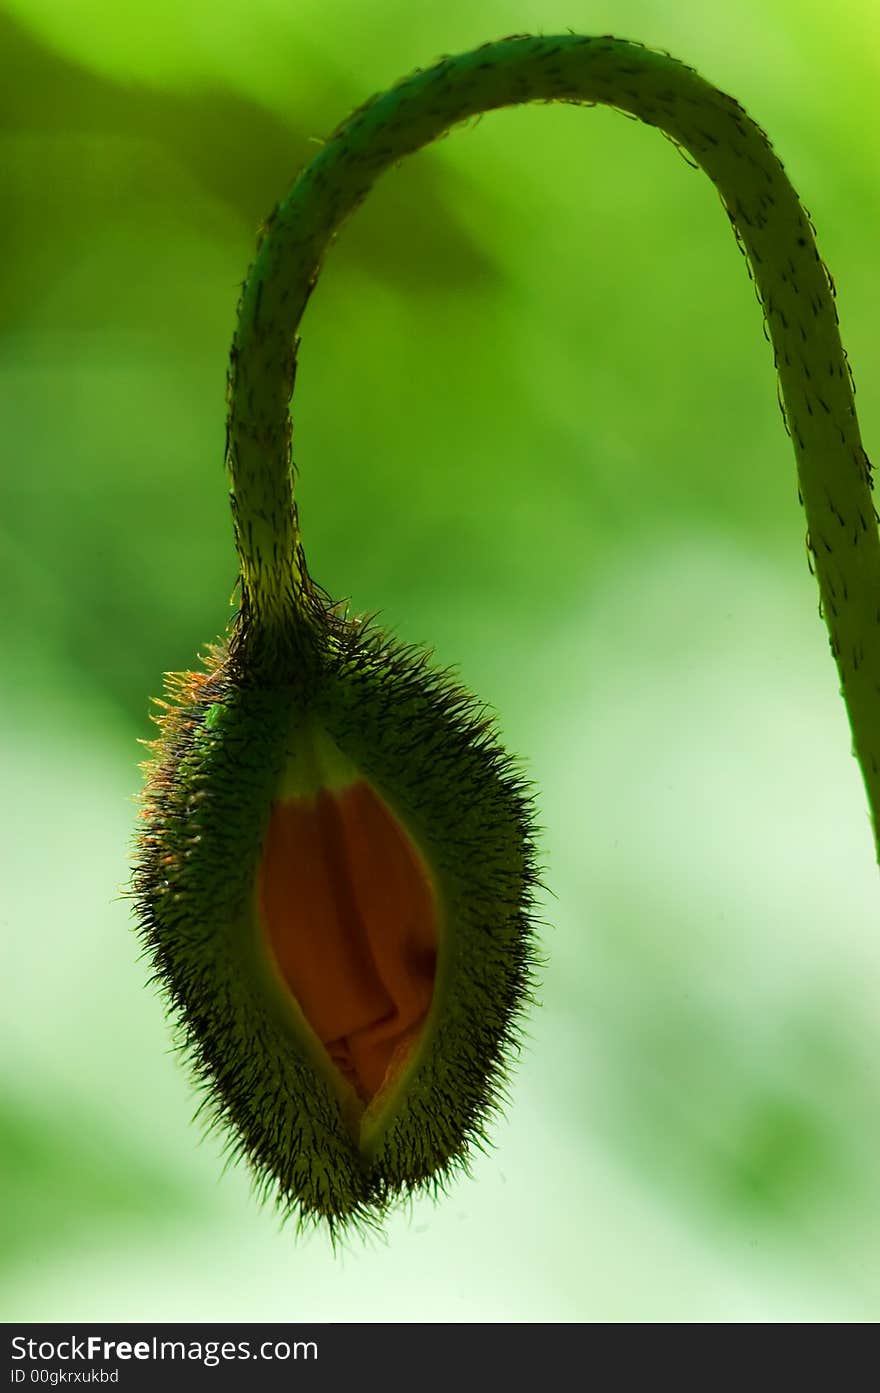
(771, 227)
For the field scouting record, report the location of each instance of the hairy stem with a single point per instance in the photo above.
(770, 225)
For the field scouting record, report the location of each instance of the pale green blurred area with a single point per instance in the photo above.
(537, 429)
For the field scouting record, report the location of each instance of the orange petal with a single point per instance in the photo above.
(350, 915)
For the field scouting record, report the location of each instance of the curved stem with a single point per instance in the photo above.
(771, 226)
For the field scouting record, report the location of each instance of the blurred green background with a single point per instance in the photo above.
(537, 429)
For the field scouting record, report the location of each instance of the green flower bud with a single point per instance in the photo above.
(336, 867)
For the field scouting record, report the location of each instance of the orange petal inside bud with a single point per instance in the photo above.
(350, 916)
